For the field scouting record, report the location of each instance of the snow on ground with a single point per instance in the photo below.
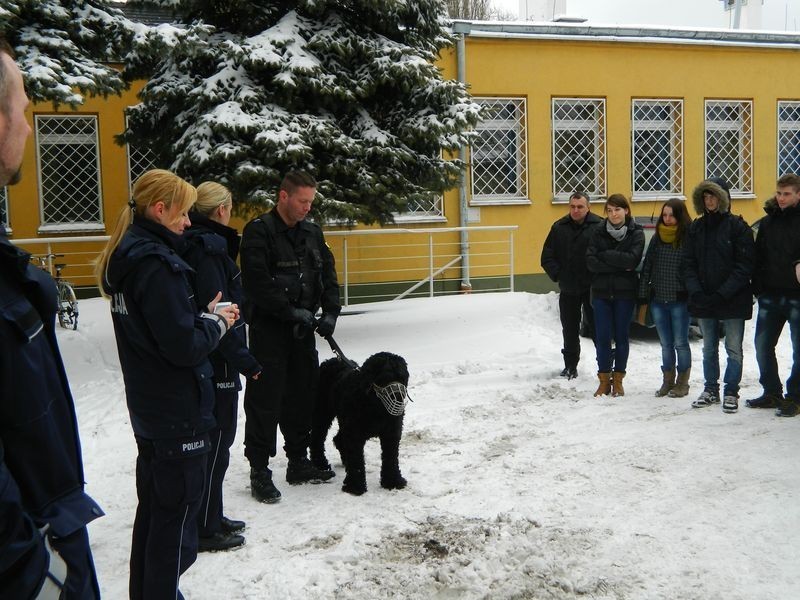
(521, 484)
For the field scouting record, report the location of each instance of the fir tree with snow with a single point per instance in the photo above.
(65, 48)
(346, 90)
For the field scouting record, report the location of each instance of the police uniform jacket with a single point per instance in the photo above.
(41, 468)
(564, 253)
(285, 268)
(211, 249)
(777, 251)
(614, 263)
(162, 339)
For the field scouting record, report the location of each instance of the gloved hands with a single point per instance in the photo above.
(326, 324)
(303, 316)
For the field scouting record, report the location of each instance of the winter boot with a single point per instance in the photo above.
(604, 389)
(261, 486)
(667, 384)
(681, 387)
(302, 470)
(616, 383)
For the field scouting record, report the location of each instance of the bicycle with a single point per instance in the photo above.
(67, 301)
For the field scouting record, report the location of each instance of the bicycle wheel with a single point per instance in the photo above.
(67, 306)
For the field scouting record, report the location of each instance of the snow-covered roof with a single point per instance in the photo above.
(149, 15)
(626, 33)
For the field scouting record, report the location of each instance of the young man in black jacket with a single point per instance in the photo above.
(778, 290)
(288, 272)
(44, 545)
(564, 261)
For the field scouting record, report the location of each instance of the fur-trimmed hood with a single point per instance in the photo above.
(714, 188)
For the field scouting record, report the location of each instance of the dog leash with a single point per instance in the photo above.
(340, 354)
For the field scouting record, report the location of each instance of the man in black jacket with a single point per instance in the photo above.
(288, 272)
(776, 284)
(44, 545)
(564, 261)
(719, 256)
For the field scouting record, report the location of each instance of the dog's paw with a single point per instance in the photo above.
(355, 484)
(393, 482)
(355, 490)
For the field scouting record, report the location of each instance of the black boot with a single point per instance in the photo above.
(301, 470)
(219, 541)
(231, 525)
(261, 486)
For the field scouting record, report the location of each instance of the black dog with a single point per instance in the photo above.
(350, 395)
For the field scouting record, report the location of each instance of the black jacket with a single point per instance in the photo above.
(285, 268)
(614, 263)
(564, 253)
(210, 249)
(41, 468)
(162, 339)
(777, 251)
(719, 258)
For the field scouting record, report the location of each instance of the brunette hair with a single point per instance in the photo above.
(681, 215)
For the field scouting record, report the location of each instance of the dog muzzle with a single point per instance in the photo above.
(394, 397)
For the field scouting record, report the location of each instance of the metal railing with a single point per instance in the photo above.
(372, 264)
(390, 264)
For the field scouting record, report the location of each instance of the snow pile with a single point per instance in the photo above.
(521, 484)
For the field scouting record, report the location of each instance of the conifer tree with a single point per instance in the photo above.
(348, 90)
(65, 48)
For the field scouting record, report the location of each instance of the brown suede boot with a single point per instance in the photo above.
(604, 389)
(681, 387)
(616, 383)
(667, 384)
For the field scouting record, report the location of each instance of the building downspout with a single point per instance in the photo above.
(462, 30)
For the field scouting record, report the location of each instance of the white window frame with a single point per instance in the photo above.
(518, 126)
(744, 185)
(424, 216)
(674, 127)
(47, 226)
(597, 128)
(137, 156)
(784, 126)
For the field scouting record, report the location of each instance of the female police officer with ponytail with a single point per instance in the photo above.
(163, 340)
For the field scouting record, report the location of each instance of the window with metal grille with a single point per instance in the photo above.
(69, 170)
(4, 206)
(657, 148)
(729, 144)
(579, 147)
(426, 209)
(788, 137)
(499, 162)
(140, 159)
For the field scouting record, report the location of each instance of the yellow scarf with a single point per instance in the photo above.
(668, 233)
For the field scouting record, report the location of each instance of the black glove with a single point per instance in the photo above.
(326, 324)
(303, 316)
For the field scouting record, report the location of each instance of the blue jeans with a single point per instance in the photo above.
(612, 320)
(734, 334)
(672, 324)
(773, 312)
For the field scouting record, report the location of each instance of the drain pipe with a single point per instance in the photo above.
(462, 30)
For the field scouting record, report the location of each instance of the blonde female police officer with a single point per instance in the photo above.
(163, 341)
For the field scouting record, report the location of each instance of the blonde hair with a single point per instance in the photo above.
(156, 185)
(210, 196)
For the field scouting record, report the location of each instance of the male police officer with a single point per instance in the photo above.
(288, 272)
(43, 507)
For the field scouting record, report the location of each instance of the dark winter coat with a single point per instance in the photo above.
(719, 258)
(564, 253)
(661, 279)
(210, 249)
(41, 468)
(162, 339)
(285, 268)
(777, 251)
(614, 263)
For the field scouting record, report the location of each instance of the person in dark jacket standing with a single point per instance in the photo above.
(615, 250)
(211, 249)
(564, 261)
(164, 341)
(44, 545)
(776, 284)
(719, 256)
(661, 285)
(288, 273)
